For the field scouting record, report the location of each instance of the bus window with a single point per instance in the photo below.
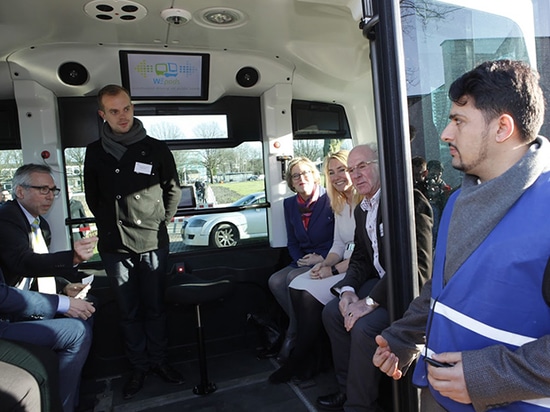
(10, 160)
(473, 32)
(229, 179)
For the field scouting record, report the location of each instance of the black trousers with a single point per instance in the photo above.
(352, 352)
(138, 282)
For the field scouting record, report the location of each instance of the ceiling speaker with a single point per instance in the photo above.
(73, 74)
(247, 77)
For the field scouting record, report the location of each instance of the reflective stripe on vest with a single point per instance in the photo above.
(483, 304)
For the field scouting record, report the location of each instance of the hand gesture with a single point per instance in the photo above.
(84, 249)
(79, 308)
(385, 360)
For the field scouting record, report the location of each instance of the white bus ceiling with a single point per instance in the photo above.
(314, 45)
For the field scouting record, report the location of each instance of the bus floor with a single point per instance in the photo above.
(242, 385)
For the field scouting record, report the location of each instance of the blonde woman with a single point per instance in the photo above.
(310, 291)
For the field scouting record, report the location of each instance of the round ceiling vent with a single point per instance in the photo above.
(220, 18)
(115, 11)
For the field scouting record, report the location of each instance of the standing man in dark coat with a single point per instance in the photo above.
(133, 190)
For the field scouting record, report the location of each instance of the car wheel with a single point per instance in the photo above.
(224, 235)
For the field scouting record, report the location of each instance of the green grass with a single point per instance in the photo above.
(229, 192)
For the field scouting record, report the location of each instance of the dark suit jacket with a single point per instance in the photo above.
(320, 234)
(17, 259)
(18, 304)
(361, 265)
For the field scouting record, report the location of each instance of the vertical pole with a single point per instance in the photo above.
(395, 166)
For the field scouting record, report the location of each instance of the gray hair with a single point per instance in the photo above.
(22, 176)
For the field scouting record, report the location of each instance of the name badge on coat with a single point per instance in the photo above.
(143, 168)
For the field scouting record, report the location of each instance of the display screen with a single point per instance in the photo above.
(165, 76)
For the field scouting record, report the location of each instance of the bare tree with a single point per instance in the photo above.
(424, 11)
(74, 156)
(312, 149)
(166, 131)
(212, 159)
(10, 158)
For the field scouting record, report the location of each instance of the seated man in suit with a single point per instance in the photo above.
(359, 311)
(26, 235)
(27, 317)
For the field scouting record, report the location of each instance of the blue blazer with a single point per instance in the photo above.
(320, 234)
(18, 304)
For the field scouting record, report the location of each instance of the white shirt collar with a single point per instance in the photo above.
(30, 217)
(369, 204)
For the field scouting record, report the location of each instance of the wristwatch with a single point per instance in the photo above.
(370, 301)
(334, 271)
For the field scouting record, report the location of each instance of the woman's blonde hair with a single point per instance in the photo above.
(305, 161)
(338, 199)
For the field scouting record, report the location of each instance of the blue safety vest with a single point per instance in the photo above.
(495, 297)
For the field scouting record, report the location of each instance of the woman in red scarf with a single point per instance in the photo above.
(310, 229)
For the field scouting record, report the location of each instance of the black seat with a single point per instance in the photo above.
(191, 290)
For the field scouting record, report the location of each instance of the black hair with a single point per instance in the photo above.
(504, 87)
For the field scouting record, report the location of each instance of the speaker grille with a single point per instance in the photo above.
(73, 73)
(247, 77)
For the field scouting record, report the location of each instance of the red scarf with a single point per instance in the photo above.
(306, 206)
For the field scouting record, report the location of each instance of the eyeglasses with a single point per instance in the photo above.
(361, 166)
(297, 176)
(45, 190)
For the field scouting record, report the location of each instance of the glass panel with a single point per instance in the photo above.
(444, 39)
(186, 126)
(10, 160)
(317, 149)
(211, 179)
(219, 178)
(78, 208)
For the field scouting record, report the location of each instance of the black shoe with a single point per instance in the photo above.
(134, 384)
(333, 402)
(168, 374)
(286, 348)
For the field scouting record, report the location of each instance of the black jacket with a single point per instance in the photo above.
(361, 265)
(132, 206)
(17, 258)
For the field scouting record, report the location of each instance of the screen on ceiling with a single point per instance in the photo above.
(165, 76)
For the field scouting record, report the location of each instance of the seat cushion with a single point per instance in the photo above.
(191, 290)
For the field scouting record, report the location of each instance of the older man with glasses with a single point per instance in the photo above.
(24, 253)
(359, 313)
